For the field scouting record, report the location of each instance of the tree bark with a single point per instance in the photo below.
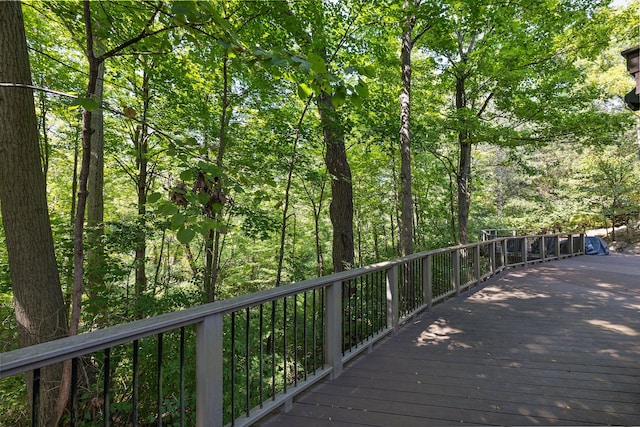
(83, 178)
(406, 203)
(287, 194)
(464, 168)
(95, 213)
(141, 142)
(212, 243)
(38, 302)
(341, 207)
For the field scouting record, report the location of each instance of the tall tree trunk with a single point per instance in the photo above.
(141, 141)
(85, 162)
(38, 302)
(464, 167)
(341, 207)
(406, 204)
(212, 244)
(95, 213)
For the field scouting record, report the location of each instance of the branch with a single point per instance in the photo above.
(143, 34)
(421, 33)
(40, 89)
(485, 104)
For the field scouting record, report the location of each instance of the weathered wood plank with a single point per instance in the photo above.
(550, 344)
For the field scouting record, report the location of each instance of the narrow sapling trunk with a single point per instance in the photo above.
(287, 193)
(141, 142)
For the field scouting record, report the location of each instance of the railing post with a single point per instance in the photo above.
(492, 257)
(334, 328)
(557, 237)
(209, 372)
(571, 245)
(543, 247)
(525, 250)
(427, 281)
(504, 254)
(455, 273)
(476, 263)
(392, 298)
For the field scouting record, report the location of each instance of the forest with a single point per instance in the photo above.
(157, 155)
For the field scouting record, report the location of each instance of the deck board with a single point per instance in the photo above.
(556, 343)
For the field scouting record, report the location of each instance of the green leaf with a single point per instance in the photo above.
(185, 235)
(304, 91)
(356, 99)
(362, 88)
(368, 71)
(339, 96)
(203, 197)
(168, 208)
(186, 175)
(86, 103)
(317, 63)
(178, 221)
(191, 142)
(210, 168)
(154, 197)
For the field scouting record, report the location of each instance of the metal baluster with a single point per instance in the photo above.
(304, 335)
(74, 391)
(313, 330)
(233, 368)
(247, 362)
(159, 371)
(136, 362)
(284, 343)
(322, 323)
(295, 340)
(105, 386)
(382, 309)
(182, 376)
(35, 399)
(361, 316)
(273, 350)
(261, 344)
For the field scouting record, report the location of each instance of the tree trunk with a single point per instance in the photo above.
(85, 162)
(212, 243)
(341, 208)
(464, 167)
(141, 141)
(406, 209)
(287, 194)
(38, 302)
(95, 214)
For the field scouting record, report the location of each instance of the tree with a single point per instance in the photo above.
(514, 81)
(39, 306)
(406, 200)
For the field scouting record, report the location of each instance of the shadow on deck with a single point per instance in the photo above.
(550, 344)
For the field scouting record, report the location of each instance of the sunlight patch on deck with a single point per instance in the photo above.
(621, 329)
(498, 294)
(439, 332)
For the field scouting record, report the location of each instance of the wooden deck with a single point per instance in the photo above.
(551, 344)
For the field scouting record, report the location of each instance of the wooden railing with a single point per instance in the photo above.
(234, 361)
